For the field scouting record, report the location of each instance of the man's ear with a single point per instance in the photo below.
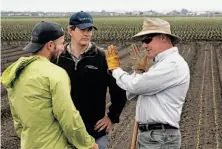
(49, 44)
(165, 37)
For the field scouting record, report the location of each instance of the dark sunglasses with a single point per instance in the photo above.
(149, 38)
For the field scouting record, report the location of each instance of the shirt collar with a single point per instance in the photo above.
(165, 53)
(86, 50)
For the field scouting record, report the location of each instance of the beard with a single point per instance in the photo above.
(54, 55)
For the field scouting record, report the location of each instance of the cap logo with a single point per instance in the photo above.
(83, 19)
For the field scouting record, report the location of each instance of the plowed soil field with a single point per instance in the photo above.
(201, 120)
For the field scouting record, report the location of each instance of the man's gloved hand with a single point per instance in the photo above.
(139, 58)
(112, 57)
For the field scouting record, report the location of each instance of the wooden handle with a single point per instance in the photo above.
(134, 137)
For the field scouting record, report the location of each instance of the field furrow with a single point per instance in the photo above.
(201, 120)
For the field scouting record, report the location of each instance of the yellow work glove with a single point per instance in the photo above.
(112, 57)
(139, 58)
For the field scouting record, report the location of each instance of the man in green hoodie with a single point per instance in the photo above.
(39, 95)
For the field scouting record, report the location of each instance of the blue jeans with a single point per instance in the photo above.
(160, 139)
(102, 142)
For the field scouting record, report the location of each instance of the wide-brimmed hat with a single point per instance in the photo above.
(156, 25)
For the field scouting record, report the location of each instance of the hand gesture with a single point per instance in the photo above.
(112, 57)
(139, 58)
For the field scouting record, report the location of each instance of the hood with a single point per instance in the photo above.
(13, 71)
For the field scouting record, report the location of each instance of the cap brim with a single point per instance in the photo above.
(86, 25)
(33, 47)
(140, 35)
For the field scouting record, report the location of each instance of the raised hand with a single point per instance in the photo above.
(112, 57)
(139, 58)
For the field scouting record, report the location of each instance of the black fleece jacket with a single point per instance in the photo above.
(89, 82)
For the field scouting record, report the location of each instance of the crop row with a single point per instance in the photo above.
(121, 29)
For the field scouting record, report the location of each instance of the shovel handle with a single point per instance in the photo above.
(134, 136)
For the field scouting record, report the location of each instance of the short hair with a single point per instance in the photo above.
(72, 27)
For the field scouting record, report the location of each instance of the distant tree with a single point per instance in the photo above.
(184, 11)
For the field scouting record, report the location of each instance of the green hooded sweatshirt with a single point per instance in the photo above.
(41, 106)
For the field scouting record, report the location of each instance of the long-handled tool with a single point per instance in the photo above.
(134, 136)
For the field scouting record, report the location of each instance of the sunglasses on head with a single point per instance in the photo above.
(149, 38)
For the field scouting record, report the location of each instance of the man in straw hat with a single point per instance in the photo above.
(39, 95)
(161, 91)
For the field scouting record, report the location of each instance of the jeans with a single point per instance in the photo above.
(160, 139)
(102, 142)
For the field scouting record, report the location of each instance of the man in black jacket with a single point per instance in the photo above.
(87, 68)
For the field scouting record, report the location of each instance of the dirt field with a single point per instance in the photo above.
(201, 121)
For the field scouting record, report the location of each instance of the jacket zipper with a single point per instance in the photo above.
(76, 63)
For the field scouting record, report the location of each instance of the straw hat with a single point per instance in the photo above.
(156, 25)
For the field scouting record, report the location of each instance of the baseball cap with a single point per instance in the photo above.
(42, 33)
(82, 20)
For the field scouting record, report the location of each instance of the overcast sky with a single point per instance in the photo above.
(109, 5)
